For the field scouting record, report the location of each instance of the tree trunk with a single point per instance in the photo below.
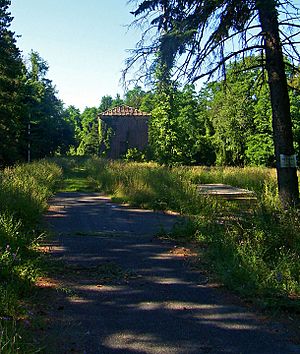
(281, 116)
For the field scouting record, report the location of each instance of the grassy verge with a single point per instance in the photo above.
(24, 191)
(255, 252)
(76, 176)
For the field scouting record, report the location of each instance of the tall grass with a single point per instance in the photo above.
(24, 191)
(147, 185)
(255, 252)
(260, 180)
(258, 254)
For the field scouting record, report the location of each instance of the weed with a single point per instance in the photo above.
(9, 337)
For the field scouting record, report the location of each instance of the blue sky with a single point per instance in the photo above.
(84, 44)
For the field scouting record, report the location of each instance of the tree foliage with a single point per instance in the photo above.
(178, 133)
(196, 38)
(28, 100)
(11, 89)
(51, 132)
(240, 113)
(89, 137)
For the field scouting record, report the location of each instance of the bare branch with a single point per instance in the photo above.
(224, 60)
(289, 24)
(204, 48)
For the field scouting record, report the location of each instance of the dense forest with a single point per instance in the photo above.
(223, 123)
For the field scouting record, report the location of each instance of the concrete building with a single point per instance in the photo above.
(122, 128)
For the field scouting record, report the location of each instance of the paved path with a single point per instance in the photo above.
(124, 291)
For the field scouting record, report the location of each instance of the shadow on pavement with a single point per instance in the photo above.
(122, 291)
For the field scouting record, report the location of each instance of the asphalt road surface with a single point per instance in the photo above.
(122, 290)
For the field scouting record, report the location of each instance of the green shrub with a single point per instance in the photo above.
(134, 154)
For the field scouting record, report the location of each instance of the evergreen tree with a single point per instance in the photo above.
(205, 32)
(11, 90)
(50, 131)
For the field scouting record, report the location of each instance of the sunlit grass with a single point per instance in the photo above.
(24, 191)
(77, 180)
(147, 185)
(76, 177)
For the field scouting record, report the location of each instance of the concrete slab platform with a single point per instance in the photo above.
(226, 191)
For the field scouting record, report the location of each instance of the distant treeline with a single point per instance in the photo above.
(226, 123)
